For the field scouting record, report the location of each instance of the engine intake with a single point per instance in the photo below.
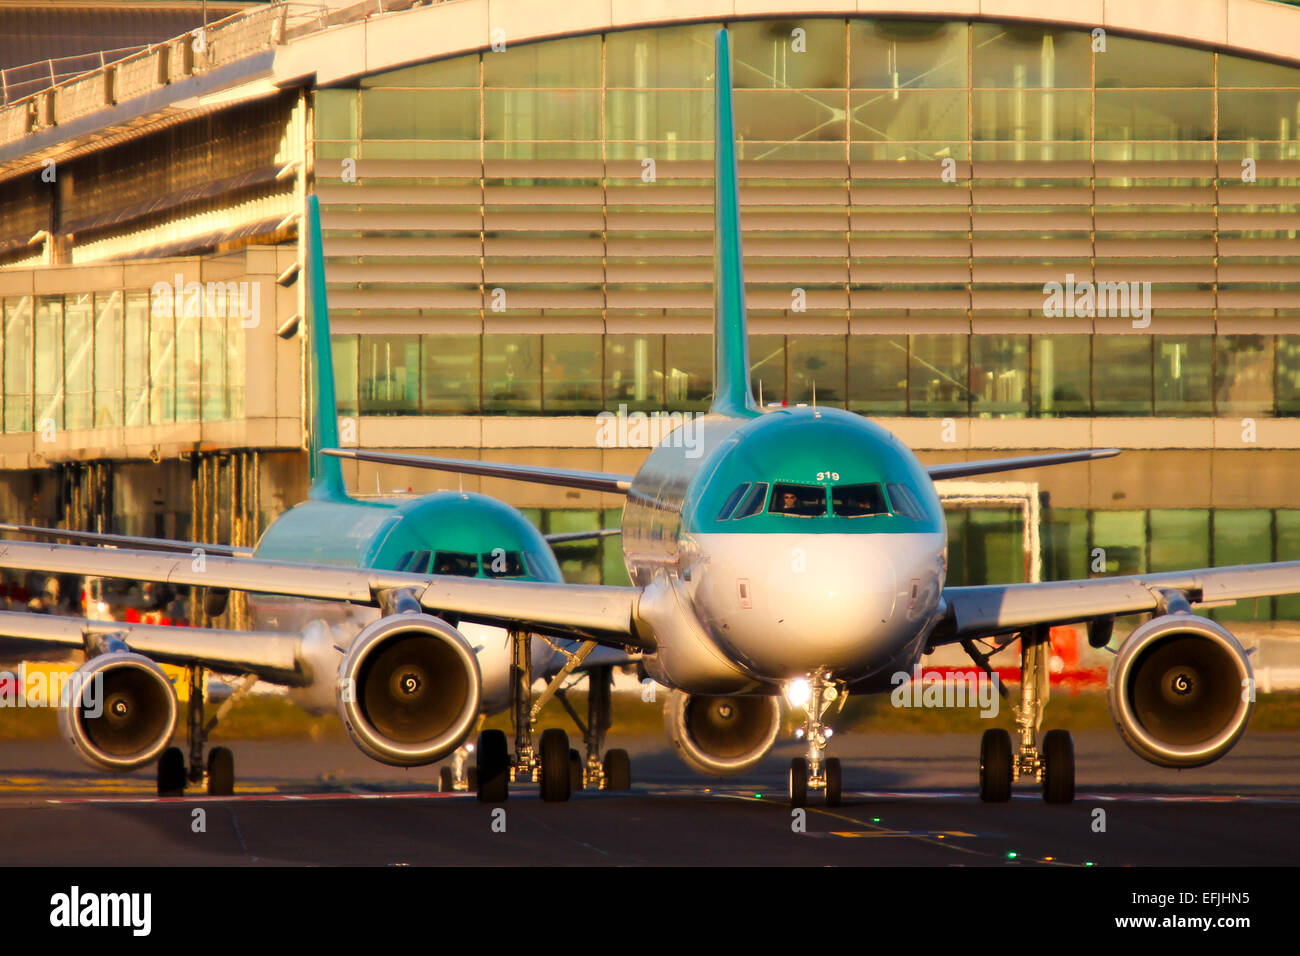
(721, 736)
(1180, 690)
(408, 689)
(118, 711)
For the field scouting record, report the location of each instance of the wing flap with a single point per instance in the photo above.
(998, 609)
(273, 656)
(603, 613)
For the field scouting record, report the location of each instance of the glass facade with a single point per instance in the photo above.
(978, 376)
(104, 359)
(905, 179)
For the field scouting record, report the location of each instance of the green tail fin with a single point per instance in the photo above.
(326, 472)
(731, 390)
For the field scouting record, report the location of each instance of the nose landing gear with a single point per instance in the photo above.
(816, 771)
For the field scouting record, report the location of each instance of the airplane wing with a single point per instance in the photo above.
(989, 466)
(127, 540)
(584, 612)
(985, 610)
(564, 537)
(566, 477)
(272, 656)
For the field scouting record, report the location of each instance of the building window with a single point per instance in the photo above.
(389, 375)
(512, 374)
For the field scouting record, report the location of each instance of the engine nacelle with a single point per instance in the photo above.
(408, 689)
(118, 710)
(1181, 690)
(721, 736)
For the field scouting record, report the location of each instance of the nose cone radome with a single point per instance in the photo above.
(784, 604)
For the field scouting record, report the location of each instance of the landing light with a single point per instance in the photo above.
(797, 692)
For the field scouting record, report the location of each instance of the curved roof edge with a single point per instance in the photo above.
(1259, 28)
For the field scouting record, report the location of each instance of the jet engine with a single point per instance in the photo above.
(118, 710)
(1180, 690)
(408, 689)
(721, 736)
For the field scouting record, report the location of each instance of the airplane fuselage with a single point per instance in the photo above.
(447, 532)
(773, 546)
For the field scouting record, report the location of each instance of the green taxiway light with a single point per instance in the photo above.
(1012, 854)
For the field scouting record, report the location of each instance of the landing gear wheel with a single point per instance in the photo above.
(493, 767)
(554, 752)
(171, 773)
(446, 780)
(995, 766)
(575, 770)
(1058, 774)
(798, 782)
(618, 770)
(221, 772)
(833, 781)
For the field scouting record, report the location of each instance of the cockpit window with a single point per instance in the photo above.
(454, 562)
(856, 501)
(733, 499)
(904, 502)
(754, 501)
(420, 562)
(503, 564)
(803, 501)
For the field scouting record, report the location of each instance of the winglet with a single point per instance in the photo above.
(326, 472)
(731, 390)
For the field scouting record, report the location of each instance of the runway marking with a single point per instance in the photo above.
(876, 834)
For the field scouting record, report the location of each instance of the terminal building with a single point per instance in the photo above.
(518, 235)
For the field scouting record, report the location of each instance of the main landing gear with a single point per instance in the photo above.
(219, 771)
(1052, 766)
(557, 769)
(816, 771)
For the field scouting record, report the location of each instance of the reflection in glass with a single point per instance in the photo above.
(1122, 535)
(108, 359)
(1121, 375)
(1180, 539)
(817, 369)
(1243, 380)
(17, 346)
(877, 374)
(79, 360)
(1061, 383)
(48, 374)
(389, 374)
(571, 373)
(512, 374)
(937, 375)
(450, 379)
(1184, 374)
(767, 368)
(634, 372)
(999, 375)
(688, 364)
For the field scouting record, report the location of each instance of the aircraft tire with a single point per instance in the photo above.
(171, 773)
(618, 770)
(833, 779)
(555, 765)
(493, 768)
(1058, 775)
(798, 783)
(221, 772)
(995, 766)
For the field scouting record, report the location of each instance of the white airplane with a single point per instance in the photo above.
(798, 552)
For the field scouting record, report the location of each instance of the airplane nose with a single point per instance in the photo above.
(802, 601)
